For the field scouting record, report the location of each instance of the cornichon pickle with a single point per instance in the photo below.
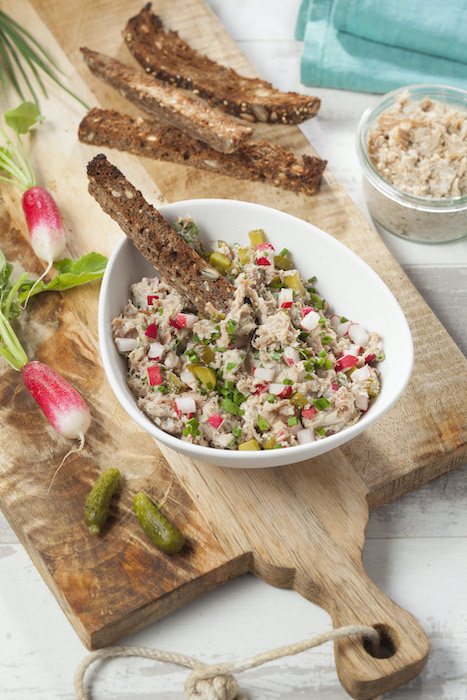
(174, 383)
(97, 506)
(244, 255)
(157, 528)
(269, 443)
(206, 354)
(294, 282)
(282, 263)
(298, 400)
(220, 261)
(206, 375)
(249, 445)
(256, 237)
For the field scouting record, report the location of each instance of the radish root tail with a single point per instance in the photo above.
(74, 450)
(46, 271)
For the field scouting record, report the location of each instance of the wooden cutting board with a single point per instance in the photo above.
(300, 526)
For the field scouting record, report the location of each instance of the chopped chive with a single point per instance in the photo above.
(271, 398)
(343, 319)
(293, 420)
(229, 406)
(287, 381)
(228, 385)
(262, 424)
(321, 403)
(230, 365)
(323, 353)
(328, 364)
(283, 252)
(321, 431)
(236, 432)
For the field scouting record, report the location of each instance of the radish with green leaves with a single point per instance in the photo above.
(46, 231)
(63, 406)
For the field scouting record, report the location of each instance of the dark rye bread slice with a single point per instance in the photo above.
(254, 160)
(168, 104)
(175, 260)
(164, 55)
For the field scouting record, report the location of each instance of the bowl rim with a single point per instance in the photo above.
(407, 199)
(218, 456)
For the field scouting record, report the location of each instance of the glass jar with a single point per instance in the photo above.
(409, 216)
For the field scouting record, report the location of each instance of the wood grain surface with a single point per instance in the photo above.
(301, 526)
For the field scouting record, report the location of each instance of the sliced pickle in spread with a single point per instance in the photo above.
(206, 375)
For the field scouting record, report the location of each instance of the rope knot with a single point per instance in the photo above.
(210, 684)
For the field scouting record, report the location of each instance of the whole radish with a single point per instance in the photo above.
(46, 231)
(63, 406)
(43, 219)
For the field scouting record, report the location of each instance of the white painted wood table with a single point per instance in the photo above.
(416, 547)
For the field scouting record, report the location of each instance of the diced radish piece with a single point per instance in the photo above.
(260, 388)
(335, 320)
(156, 350)
(187, 377)
(186, 320)
(174, 323)
(353, 350)
(309, 412)
(342, 328)
(282, 391)
(185, 405)
(369, 358)
(215, 420)
(264, 374)
(346, 362)
(291, 356)
(126, 344)
(265, 246)
(310, 321)
(286, 298)
(154, 375)
(306, 310)
(151, 331)
(358, 334)
(151, 298)
(305, 435)
(361, 374)
(264, 252)
(334, 386)
(362, 402)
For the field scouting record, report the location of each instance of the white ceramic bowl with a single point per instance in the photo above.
(349, 285)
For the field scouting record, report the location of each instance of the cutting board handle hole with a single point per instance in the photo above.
(387, 646)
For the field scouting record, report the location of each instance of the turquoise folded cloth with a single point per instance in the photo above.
(377, 46)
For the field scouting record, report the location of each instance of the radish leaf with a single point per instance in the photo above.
(23, 117)
(71, 274)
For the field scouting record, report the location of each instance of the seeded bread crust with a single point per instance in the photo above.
(176, 261)
(169, 104)
(164, 55)
(255, 160)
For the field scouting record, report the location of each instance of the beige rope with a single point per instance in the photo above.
(216, 682)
